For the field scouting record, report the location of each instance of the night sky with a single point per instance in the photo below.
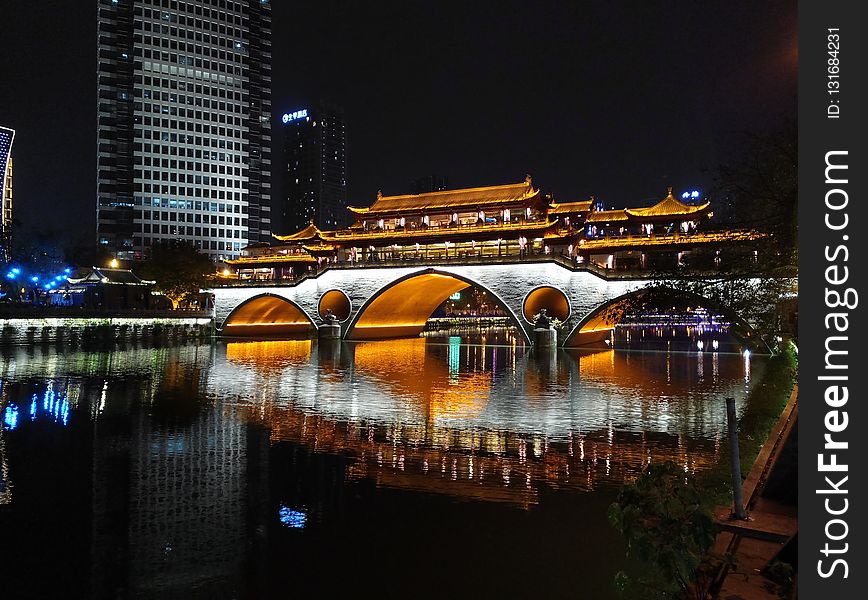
(613, 99)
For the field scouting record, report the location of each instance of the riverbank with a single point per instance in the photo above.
(764, 405)
(78, 330)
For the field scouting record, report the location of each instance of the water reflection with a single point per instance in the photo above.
(415, 412)
(193, 463)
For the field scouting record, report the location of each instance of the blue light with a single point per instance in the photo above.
(34, 279)
(694, 194)
(16, 270)
(10, 416)
(67, 270)
(685, 195)
(294, 116)
(47, 286)
(10, 275)
(291, 518)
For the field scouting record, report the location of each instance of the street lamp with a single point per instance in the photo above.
(114, 263)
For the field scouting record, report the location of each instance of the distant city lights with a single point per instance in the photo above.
(48, 281)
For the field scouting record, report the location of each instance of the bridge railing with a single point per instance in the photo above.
(564, 261)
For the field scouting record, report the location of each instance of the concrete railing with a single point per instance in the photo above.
(563, 261)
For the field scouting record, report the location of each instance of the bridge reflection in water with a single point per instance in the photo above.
(298, 448)
(483, 422)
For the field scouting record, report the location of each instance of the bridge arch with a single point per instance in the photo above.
(338, 302)
(553, 299)
(403, 306)
(598, 324)
(267, 315)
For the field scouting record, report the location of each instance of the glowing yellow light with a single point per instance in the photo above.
(114, 263)
(226, 272)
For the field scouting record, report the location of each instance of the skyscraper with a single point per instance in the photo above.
(315, 150)
(7, 136)
(184, 124)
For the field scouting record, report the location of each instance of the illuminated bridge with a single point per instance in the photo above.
(392, 301)
(386, 274)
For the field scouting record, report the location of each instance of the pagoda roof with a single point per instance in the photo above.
(559, 208)
(607, 216)
(451, 199)
(670, 206)
(308, 233)
(320, 248)
(106, 275)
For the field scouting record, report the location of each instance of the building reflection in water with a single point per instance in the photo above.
(193, 455)
(441, 417)
(170, 496)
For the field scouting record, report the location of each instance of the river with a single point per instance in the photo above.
(415, 468)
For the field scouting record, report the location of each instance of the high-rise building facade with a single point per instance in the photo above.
(184, 124)
(7, 136)
(315, 150)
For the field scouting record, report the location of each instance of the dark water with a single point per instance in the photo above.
(290, 469)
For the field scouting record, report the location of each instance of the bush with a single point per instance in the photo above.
(667, 527)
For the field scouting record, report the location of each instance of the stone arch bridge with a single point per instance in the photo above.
(380, 302)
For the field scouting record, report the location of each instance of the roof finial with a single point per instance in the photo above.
(528, 179)
(379, 194)
(669, 191)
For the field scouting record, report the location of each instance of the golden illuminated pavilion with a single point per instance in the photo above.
(670, 213)
(481, 223)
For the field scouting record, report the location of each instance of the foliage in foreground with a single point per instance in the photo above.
(666, 526)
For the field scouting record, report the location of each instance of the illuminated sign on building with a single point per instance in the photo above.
(294, 116)
(693, 194)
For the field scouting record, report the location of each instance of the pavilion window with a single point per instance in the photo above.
(505, 215)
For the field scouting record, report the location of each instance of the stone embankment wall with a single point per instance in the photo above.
(76, 330)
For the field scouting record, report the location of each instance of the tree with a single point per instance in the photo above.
(666, 526)
(757, 190)
(179, 269)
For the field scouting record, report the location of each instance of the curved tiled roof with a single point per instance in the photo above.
(308, 233)
(558, 208)
(607, 216)
(473, 198)
(669, 206)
